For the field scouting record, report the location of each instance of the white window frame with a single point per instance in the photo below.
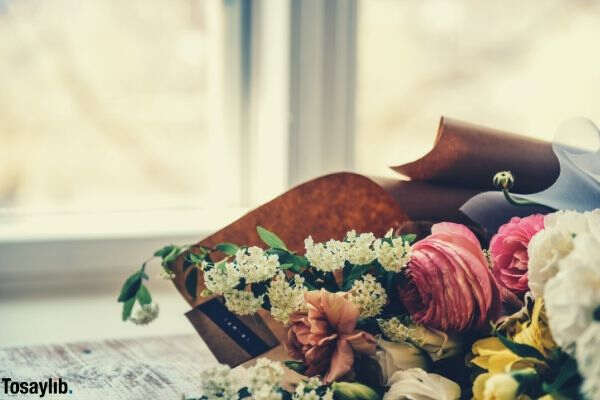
(294, 75)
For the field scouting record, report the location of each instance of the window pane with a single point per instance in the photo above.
(113, 104)
(520, 66)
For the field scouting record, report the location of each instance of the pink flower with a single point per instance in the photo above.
(450, 286)
(508, 249)
(325, 337)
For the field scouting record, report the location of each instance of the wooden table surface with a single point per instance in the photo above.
(146, 369)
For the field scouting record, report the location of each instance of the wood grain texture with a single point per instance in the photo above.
(158, 368)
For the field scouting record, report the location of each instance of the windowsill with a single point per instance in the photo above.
(48, 254)
(78, 226)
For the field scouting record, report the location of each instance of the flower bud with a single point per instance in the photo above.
(354, 391)
(501, 387)
(504, 180)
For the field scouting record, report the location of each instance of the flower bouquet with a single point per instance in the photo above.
(394, 315)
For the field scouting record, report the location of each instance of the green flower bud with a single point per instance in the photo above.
(504, 180)
(354, 391)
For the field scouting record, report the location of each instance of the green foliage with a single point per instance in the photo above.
(297, 366)
(228, 248)
(521, 350)
(133, 289)
(271, 239)
(410, 237)
(352, 273)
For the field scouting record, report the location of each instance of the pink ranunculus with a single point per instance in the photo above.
(508, 250)
(450, 286)
(325, 337)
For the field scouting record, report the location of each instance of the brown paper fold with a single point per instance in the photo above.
(468, 155)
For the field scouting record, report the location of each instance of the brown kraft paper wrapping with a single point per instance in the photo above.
(468, 155)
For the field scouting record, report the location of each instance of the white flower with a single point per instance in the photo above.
(416, 384)
(265, 373)
(549, 246)
(285, 299)
(145, 314)
(588, 360)
(222, 277)
(328, 256)
(572, 295)
(255, 265)
(392, 357)
(392, 256)
(368, 295)
(500, 387)
(266, 393)
(359, 249)
(218, 383)
(242, 302)
(306, 390)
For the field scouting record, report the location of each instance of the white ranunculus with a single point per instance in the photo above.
(588, 360)
(416, 384)
(574, 293)
(392, 357)
(552, 244)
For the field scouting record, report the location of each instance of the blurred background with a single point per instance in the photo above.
(126, 125)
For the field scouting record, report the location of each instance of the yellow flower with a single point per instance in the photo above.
(536, 332)
(493, 356)
(489, 386)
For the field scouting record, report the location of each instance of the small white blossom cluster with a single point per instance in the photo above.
(393, 256)
(368, 295)
(222, 277)
(219, 383)
(167, 274)
(242, 302)
(308, 391)
(286, 299)
(358, 249)
(255, 265)
(395, 330)
(327, 257)
(262, 381)
(264, 374)
(145, 314)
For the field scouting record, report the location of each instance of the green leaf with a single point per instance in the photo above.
(270, 238)
(286, 266)
(297, 366)
(191, 282)
(127, 307)
(171, 256)
(131, 286)
(354, 273)
(228, 248)
(410, 237)
(521, 350)
(162, 253)
(143, 295)
(195, 258)
(568, 370)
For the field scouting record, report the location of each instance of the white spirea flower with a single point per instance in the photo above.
(286, 299)
(368, 295)
(360, 250)
(327, 257)
(222, 277)
(572, 295)
(255, 265)
(307, 390)
(395, 330)
(265, 373)
(588, 360)
(549, 246)
(242, 302)
(145, 314)
(218, 383)
(414, 383)
(392, 256)
(266, 393)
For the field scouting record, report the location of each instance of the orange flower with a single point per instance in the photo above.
(325, 337)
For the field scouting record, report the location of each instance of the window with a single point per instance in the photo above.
(520, 66)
